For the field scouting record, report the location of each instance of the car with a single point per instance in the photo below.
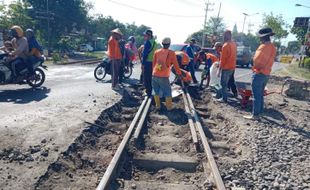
(178, 47)
(86, 48)
(244, 56)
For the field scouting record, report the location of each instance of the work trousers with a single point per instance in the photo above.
(115, 71)
(147, 77)
(191, 67)
(232, 84)
(225, 76)
(259, 82)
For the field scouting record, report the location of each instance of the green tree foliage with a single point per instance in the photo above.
(293, 47)
(65, 16)
(214, 31)
(278, 25)
(16, 14)
(300, 33)
(248, 40)
(101, 26)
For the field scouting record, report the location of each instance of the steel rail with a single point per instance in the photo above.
(141, 122)
(215, 171)
(104, 182)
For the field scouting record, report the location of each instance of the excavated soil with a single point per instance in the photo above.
(84, 162)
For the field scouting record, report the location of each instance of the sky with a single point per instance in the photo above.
(180, 18)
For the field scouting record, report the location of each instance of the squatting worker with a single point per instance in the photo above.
(115, 55)
(227, 63)
(209, 58)
(162, 63)
(262, 64)
(147, 58)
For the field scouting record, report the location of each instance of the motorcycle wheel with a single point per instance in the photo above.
(100, 72)
(37, 79)
(127, 72)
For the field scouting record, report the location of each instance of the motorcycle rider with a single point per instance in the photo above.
(20, 44)
(34, 51)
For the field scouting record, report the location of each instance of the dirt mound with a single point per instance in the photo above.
(86, 159)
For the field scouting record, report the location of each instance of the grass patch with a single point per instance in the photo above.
(295, 72)
(98, 55)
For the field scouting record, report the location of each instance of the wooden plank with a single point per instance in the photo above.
(215, 171)
(105, 181)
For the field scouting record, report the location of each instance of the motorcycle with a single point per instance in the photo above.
(6, 74)
(104, 68)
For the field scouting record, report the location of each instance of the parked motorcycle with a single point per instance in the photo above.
(105, 68)
(6, 75)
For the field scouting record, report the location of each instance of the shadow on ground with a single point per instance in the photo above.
(25, 95)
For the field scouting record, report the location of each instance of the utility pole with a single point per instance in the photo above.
(207, 3)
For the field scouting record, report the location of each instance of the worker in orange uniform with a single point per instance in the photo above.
(115, 55)
(209, 58)
(227, 63)
(262, 63)
(183, 62)
(162, 63)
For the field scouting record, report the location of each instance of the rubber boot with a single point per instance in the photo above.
(157, 102)
(169, 103)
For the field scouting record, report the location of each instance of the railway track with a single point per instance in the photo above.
(167, 150)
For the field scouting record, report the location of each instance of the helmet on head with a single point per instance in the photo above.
(16, 32)
(29, 33)
(132, 39)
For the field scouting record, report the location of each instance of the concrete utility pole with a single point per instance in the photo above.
(207, 3)
(246, 15)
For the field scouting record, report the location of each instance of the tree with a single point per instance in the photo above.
(234, 31)
(214, 31)
(16, 14)
(277, 24)
(300, 33)
(293, 47)
(248, 40)
(65, 17)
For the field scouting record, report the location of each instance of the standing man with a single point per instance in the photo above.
(115, 55)
(162, 63)
(147, 59)
(262, 64)
(190, 50)
(227, 63)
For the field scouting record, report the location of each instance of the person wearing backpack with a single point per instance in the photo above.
(147, 59)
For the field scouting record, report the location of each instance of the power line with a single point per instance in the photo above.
(154, 12)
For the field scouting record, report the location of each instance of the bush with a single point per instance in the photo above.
(56, 57)
(307, 62)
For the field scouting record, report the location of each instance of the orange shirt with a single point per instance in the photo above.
(229, 56)
(264, 58)
(212, 57)
(162, 62)
(114, 51)
(185, 58)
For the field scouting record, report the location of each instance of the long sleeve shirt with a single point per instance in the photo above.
(228, 56)
(114, 51)
(190, 52)
(21, 47)
(264, 58)
(163, 61)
